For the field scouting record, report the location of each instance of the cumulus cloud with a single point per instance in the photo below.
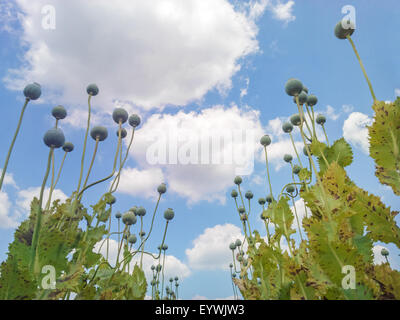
(6, 221)
(173, 266)
(397, 92)
(283, 11)
(210, 250)
(199, 153)
(141, 183)
(25, 197)
(12, 212)
(9, 180)
(355, 130)
(151, 53)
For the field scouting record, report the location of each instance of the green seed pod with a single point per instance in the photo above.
(293, 87)
(92, 89)
(302, 98)
(231, 265)
(68, 147)
(305, 89)
(265, 140)
(245, 263)
(111, 199)
(120, 115)
(244, 217)
(162, 188)
(124, 133)
(59, 112)
(295, 119)
(176, 278)
(238, 180)
(296, 169)
(261, 201)
(165, 247)
(234, 276)
(234, 193)
(153, 267)
(321, 119)
(342, 33)
(287, 158)
(132, 239)
(269, 198)
(99, 132)
(241, 209)
(134, 210)
(169, 214)
(240, 258)
(141, 212)
(232, 246)
(262, 216)
(142, 234)
(287, 127)
(249, 195)
(129, 218)
(290, 189)
(159, 267)
(134, 120)
(54, 138)
(238, 243)
(384, 252)
(312, 100)
(171, 280)
(118, 215)
(33, 91)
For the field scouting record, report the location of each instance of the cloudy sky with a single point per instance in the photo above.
(192, 68)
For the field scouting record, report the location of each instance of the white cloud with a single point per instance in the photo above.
(151, 53)
(25, 197)
(11, 213)
(331, 113)
(244, 91)
(283, 11)
(141, 183)
(193, 174)
(355, 130)
(397, 92)
(211, 249)
(173, 266)
(5, 220)
(347, 108)
(378, 257)
(9, 179)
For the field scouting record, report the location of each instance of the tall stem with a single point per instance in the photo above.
(266, 162)
(295, 149)
(91, 163)
(53, 186)
(36, 231)
(4, 169)
(84, 145)
(362, 68)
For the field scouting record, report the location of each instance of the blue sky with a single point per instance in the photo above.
(211, 64)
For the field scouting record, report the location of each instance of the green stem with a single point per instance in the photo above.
(295, 149)
(57, 179)
(35, 237)
(4, 169)
(266, 163)
(91, 163)
(326, 136)
(51, 183)
(84, 144)
(362, 68)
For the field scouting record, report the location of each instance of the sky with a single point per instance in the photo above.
(191, 69)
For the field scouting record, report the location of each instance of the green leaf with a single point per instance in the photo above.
(340, 152)
(384, 137)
